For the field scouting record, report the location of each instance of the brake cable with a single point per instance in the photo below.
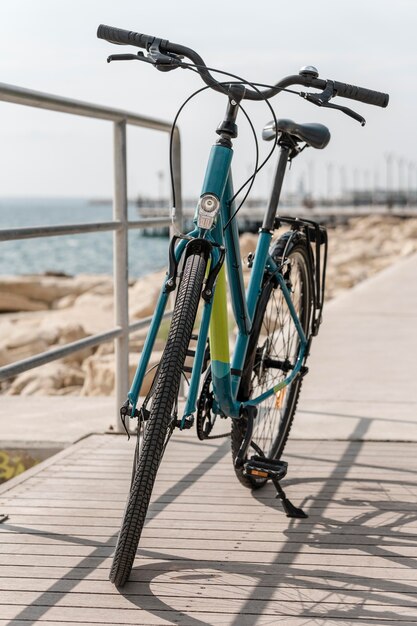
(250, 181)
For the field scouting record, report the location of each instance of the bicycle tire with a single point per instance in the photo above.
(272, 429)
(158, 423)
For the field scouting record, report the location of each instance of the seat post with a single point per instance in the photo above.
(269, 218)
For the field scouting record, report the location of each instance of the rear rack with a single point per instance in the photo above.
(315, 234)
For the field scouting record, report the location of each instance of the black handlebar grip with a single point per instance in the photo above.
(121, 36)
(368, 96)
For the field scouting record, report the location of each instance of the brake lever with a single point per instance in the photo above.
(162, 62)
(128, 57)
(347, 111)
(322, 100)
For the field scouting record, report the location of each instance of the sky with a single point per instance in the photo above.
(52, 47)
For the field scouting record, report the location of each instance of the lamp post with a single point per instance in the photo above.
(388, 166)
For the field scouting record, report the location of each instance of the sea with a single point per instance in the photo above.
(90, 253)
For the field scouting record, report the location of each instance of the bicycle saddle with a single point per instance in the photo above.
(315, 135)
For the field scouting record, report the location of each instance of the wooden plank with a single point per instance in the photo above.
(148, 569)
(222, 620)
(226, 620)
(313, 482)
(94, 527)
(223, 471)
(323, 559)
(229, 585)
(285, 601)
(106, 517)
(248, 504)
(356, 536)
(400, 458)
(379, 548)
(105, 604)
(361, 490)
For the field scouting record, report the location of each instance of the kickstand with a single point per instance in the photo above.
(287, 505)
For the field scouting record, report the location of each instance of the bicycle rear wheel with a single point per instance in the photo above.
(158, 427)
(274, 338)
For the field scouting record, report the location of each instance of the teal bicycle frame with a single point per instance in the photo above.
(214, 322)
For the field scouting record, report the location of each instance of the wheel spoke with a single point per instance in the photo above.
(278, 341)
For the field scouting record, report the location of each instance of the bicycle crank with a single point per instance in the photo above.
(205, 419)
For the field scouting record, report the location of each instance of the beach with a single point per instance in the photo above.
(41, 311)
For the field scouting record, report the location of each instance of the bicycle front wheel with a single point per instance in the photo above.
(272, 352)
(159, 425)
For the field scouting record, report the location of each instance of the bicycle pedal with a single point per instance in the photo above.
(185, 423)
(265, 468)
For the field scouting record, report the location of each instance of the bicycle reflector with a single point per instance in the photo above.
(208, 207)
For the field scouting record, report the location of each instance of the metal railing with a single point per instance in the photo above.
(119, 225)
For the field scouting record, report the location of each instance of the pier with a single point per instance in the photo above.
(251, 214)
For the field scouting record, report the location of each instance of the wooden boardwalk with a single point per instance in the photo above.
(213, 552)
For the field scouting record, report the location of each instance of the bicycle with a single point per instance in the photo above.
(276, 320)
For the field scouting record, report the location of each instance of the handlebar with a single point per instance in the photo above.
(368, 96)
(124, 37)
(344, 90)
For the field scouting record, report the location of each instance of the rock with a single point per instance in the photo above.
(34, 292)
(247, 242)
(35, 346)
(408, 248)
(94, 301)
(65, 302)
(46, 380)
(410, 228)
(136, 343)
(69, 334)
(26, 338)
(18, 302)
(99, 374)
(144, 295)
(105, 348)
(4, 357)
(22, 341)
(44, 289)
(71, 390)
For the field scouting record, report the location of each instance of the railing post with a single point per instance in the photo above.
(179, 218)
(176, 166)
(120, 267)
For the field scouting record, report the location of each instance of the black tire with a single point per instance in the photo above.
(274, 336)
(158, 424)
